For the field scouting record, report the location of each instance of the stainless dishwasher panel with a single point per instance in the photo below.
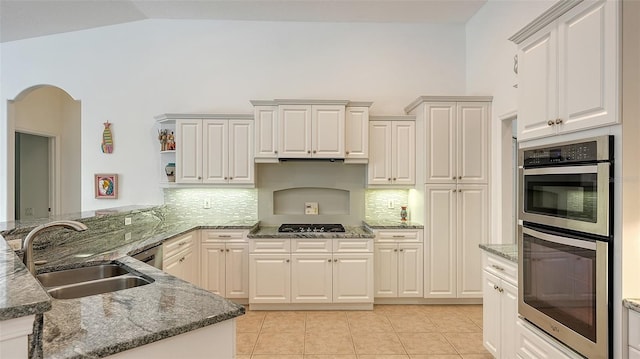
(151, 256)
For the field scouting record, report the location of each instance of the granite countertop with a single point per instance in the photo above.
(272, 232)
(392, 224)
(105, 324)
(632, 303)
(507, 251)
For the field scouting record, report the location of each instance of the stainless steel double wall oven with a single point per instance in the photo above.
(565, 242)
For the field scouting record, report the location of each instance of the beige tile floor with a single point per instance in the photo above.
(387, 332)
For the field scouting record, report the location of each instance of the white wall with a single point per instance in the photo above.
(130, 72)
(489, 65)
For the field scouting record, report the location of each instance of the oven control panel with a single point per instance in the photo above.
(563, 154)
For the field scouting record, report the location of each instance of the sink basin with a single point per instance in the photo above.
(90, 280)
(100, 286)
(82, 274)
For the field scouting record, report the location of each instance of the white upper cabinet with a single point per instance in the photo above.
(295, 131)
(356, 134)
(568, 71)
(213, 149)
(327, 129)
(266, 133)
(392, 156)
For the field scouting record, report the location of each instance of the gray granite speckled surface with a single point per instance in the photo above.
(392, 224)
(21, 295)
(507, 251)
(272, 232)
(633, 304)
(105, 324)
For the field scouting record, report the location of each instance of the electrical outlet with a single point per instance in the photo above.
(390, 204)
(207, 203)
(127, 236)
(127, 221)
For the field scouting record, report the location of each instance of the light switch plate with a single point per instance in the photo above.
(311, 208)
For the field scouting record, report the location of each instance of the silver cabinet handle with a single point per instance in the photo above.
(497, 267)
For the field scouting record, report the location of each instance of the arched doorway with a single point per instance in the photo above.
(44, 153)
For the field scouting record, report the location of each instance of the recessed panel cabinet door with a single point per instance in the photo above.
(213, 268)
(472, 230)
(404, 152)
(188, 151)
(440, 241)
(491, 314)
(441, 142)
(295, 131)
(410, 270)
(386, 270)
(327, 129)
(215, 151)
(241, 165)
(266, 131)
(237, 270)
(473, 142)
(380, 153)
(311, 278)
(269, 278)
(356, 133)
(353, 278)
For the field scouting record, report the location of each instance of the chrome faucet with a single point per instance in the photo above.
(27, 244)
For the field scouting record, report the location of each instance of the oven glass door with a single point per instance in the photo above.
(565, 280)
(574, 197)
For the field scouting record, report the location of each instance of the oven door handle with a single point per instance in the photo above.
(591, 245)
(561, 170)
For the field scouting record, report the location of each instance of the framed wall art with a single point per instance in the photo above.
(106, 185)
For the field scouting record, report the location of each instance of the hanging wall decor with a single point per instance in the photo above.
(107, 139)
(106, 186)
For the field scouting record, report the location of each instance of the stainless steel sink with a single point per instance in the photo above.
(82, 274)
(91, 280)
(99, 286)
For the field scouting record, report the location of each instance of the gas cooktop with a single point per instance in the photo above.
(304, 228)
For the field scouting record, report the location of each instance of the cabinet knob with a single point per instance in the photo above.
(329, 260)
(314, 151)
(222, 250)
(454, 177)
(181, 260)
(500, 290)
(225, 178)
(453, 190)
(287, 261)
(276, 152)
(550, 123)
(199, 177)
(230, 178)
(309, 151)
(459, 177)
(495, 287)
(389, 179)
(394, 178)
(395, 250)
(227, 249)
(347, 152)
(558, 121)
(401, 250)
(335, 260)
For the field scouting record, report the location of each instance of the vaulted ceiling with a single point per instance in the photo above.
(22, 19)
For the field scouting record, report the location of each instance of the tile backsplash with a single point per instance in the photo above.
(229, 204)
(377, 203)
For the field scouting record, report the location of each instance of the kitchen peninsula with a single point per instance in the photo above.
(158, 319)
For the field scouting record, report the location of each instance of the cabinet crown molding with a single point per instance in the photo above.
(203, 116)
(547, 17)
(276, 102)
(412, 106)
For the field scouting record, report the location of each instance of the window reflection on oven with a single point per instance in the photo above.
(560, 282)
(572, 200)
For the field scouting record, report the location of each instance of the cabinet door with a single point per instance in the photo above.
(492, 316)
(266, 132)
(508, 318)
(440, 126)
(538, 85)
(531, 346)
(588, 57)
(356, 133)
(353, 278)
(473, 229)
(174, 267)
(191, 261)
(311, 278)
(386, 270)
(237, 270)
(188, 151)
(241, 152)
(379, 168)
(269, 278)
(440, 241)
(472, 142)
(410, 270)
(404, 152)
(327, 130)
(215, 151)
(294, 131)
(213, 268)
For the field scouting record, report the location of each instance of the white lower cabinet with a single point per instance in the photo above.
(310, 271)
(180, 258)
(531, 343)
(224, 259)
(499, 306)
(398, 269)
(634, 334)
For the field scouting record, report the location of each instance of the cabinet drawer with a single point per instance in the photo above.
(270, 245)
(634, 329)
(176, 245)
(503, 268)
(351, 245)
(222, 235)
(311, 245)
(396, 236)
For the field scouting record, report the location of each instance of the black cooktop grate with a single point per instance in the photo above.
(304, 228)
